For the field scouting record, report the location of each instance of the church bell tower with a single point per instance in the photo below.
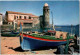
(46, 16)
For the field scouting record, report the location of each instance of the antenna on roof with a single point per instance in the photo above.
(71, 29)
(52, 21)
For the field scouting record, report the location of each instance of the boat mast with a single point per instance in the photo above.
(52, 21)
(71, 29)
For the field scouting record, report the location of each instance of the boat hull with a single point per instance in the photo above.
(30, 43)
(9, 34)
(15, 32)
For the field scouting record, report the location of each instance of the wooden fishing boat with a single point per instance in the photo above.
(8, 34)
(35, 41)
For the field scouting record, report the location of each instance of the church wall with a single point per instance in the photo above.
(1, 20)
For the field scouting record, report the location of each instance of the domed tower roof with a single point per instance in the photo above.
(45, 4)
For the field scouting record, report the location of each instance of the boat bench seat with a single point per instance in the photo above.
(36, 32)
(60, 33)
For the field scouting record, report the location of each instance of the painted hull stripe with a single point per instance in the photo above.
(29, 36)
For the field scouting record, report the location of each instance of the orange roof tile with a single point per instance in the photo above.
(31, 15)
(0, 14)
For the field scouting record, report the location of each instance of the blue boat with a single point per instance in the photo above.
(29, 42)
(34, 41)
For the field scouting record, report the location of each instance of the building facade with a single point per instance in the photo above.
(26, 19)
(1, 20)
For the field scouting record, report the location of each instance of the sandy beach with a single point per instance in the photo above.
(11, 45)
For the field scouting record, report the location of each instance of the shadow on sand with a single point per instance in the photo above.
(19, 49)
(44, 48)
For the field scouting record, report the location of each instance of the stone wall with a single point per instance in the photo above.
(46, 16)
(1, 21)
(7, 27)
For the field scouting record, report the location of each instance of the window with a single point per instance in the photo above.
(29, 17)
(24, 17)
(17, 16)
(9, 23)
(20, 17)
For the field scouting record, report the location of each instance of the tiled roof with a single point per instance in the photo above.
(31, 15)
(0, 14)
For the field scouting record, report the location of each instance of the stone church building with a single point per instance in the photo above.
(29, 20)
(44, 19)
(26, 19)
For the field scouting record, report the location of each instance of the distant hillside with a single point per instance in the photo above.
(65, 25)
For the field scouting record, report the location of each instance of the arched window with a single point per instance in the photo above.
(24, 17)
(17, 16)
(29, 17)
(20, 17)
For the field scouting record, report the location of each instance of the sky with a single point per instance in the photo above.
(64, 12)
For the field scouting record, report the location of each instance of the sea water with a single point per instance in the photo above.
(65, 28)
(69, 29)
